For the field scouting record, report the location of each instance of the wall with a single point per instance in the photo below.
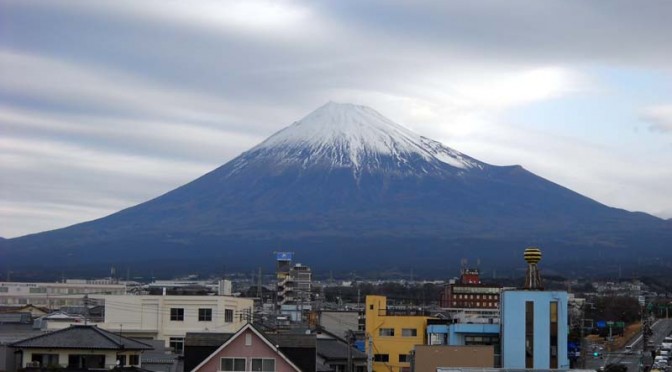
(152, 313)
(513, 328)
(429, 358)
(396, 345)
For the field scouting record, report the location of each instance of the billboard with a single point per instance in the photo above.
(283, 256)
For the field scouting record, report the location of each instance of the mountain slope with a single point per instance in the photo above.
(345, 178)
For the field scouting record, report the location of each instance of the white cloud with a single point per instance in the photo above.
(660, 118)
(148, 95)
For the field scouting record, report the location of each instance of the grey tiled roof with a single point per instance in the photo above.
(82, 337)
(333, 349)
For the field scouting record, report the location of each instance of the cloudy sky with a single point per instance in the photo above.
(105, 104)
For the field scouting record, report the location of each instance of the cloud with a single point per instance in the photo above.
(660, 118)
(148, 95)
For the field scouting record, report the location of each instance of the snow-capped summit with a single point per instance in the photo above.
(345, 135)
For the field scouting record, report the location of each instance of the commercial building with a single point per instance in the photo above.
(392, 334)
(534, 323)
(55, 295)
(470, 293)
(294, 282)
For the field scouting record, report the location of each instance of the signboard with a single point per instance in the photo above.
(283, 256)
(601, 324)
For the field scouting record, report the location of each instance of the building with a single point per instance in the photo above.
(534, 323)
(169, 318)
(392, 334)
(341, 322)
(55, 295)
(470, 293)
(430, 358)
(80, 347)
(294, 282)
(249, 349)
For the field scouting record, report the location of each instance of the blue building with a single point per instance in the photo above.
(534, 323)
(534, 329)
(466, 334)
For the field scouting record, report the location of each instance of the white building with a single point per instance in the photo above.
(169, 318)
(55, 295)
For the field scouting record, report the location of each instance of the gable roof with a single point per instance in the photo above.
(259, 334)
(81, 337)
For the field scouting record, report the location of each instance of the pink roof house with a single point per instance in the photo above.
(247, 350)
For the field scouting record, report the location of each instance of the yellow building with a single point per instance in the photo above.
(392, 334)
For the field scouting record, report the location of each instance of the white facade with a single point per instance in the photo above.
(54, 295)
(169, 318)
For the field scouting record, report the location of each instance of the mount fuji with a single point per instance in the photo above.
(346, 188)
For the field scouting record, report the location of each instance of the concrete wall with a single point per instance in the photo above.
(149, 316)
(513, 328)
(152, 313)
(429, 358)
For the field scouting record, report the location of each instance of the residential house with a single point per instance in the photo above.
(80, 347)
(300, 349)
(247, 350)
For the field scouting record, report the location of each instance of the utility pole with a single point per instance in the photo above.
(259, 293)
(86, 309)
(349, 336)
(369, 353)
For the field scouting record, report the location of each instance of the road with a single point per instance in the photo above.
(661, 328)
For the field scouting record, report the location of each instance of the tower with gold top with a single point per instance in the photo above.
(532, 277)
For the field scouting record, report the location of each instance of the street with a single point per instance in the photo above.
(661, 328)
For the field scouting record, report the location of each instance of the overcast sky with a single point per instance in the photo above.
(106, 104)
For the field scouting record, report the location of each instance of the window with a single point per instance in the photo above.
(37, 290)
(386, 332)
(404, 358)
(122, 360)
(381, 357)
(529, 334)
(177, 314)
(228, 316)
(232, 364)
(134, 360)
(46, 360)
(409, 332)
(265, 365)
(4, 289)
(204, 315)
(177, 344)
(86, 361)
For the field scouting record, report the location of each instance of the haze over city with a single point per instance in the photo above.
(104, 105)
